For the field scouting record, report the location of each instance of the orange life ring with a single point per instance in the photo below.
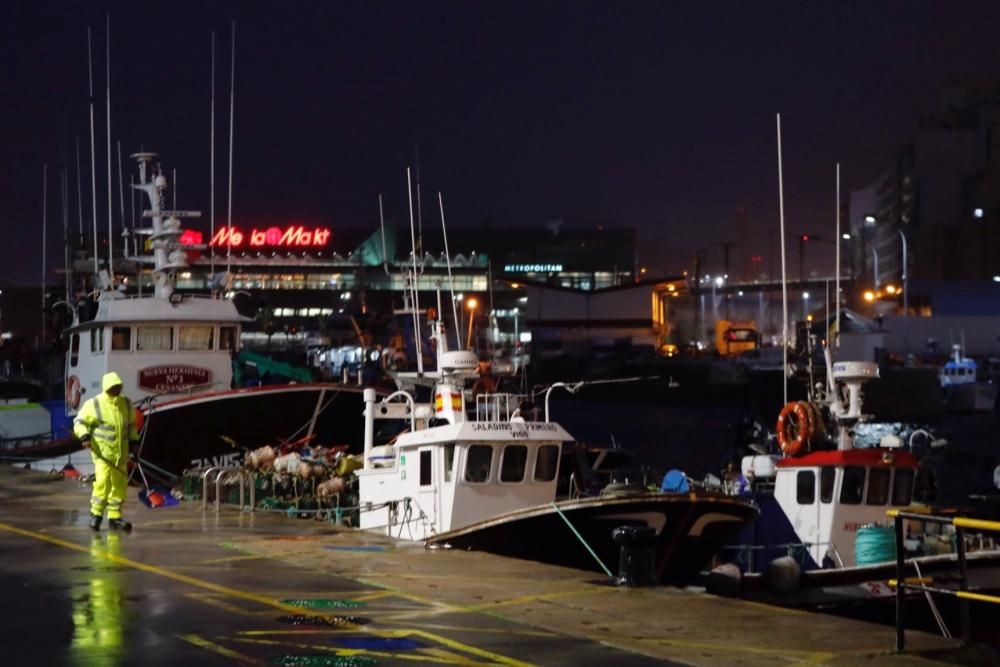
(795, 435)
(484, 385)
(73, 392)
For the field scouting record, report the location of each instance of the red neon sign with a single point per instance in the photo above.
(293, 236)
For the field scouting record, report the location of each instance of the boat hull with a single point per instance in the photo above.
(689, 531)
(218, 429)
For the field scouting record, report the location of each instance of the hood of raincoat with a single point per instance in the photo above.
(110, 380)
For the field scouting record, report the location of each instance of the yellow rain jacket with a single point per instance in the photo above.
(109, 422)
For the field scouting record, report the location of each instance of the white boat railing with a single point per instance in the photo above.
(498, 407)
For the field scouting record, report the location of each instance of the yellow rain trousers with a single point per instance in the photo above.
(109, 422)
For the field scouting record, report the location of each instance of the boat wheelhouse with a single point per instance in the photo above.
(827, 496)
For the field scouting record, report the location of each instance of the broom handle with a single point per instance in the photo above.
(113, 466)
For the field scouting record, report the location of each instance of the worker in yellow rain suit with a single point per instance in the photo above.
(106, 424)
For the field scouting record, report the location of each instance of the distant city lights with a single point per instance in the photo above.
(869, 296)
(977, 212)
(845, 236)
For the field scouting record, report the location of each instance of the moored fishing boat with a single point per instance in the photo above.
(484, 477)
(175, 354)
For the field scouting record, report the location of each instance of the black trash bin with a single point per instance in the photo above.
(637, 561)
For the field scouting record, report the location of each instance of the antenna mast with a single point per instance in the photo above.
(381, 226)
(784, 281)
(451, 280)
(45, 201)
(211, 177)
(232, 94)
(416, 293)
(836, 289)
(111, 237)
(93, 163)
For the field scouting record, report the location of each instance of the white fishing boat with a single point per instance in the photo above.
(175, 354)
(823, 534)
(484, 477)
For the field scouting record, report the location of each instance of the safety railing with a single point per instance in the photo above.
(219, 473)
(925, 584)
(497, 407)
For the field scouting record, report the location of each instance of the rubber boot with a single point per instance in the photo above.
(95, 522)
(119, 524)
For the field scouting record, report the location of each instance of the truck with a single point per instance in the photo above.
(735, 337)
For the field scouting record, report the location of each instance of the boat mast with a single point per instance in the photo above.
(111, 238)
(93, 162)
(784, 280)
(45, 211)
(451, 279)
(232, 95)
(836, 289)
(211, 176)
(416, 294)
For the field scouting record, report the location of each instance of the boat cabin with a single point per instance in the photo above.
(451, 470)
(828, 495)
(158, 347)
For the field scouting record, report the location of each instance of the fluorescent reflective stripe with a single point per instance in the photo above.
(97, 409)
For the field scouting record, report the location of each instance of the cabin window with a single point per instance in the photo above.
(449, 461)
(852, 489)
(515, 460)
(425, 468)
(827, 478)
(478, 462)
(97, 340)
(74, 350)
(121, 339)
(805, 487)
(154, 339)
(878, 486)
(227, 338)
(546, 463)
(195, 338)
(902, 487)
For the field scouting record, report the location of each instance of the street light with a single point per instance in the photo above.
(471, 304)
(875, 266)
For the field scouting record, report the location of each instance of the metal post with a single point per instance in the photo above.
(900, 586)
(963, 584)
(875, 267)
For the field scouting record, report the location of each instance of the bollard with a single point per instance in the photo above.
(635, 566)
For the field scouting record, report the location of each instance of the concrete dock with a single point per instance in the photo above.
(189, 587)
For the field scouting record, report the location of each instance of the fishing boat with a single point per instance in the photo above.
(478, 473)
(964, 389)
(823, 534)
(175, 353)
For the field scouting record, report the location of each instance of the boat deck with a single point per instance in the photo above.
(188, 587)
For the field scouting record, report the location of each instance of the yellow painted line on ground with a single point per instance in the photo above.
(810, 657)
(244, 595)
(526, 599)
(164, 522)
(432, 656)
(218, 649)
(232, 559)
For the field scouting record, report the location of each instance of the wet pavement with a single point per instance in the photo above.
(188, 587)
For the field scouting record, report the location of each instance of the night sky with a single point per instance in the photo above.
(655, 115)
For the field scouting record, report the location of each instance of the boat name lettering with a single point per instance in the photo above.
(169, 378)
(853, 526)
(518, 431)
(225, 460)
(292, 236)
